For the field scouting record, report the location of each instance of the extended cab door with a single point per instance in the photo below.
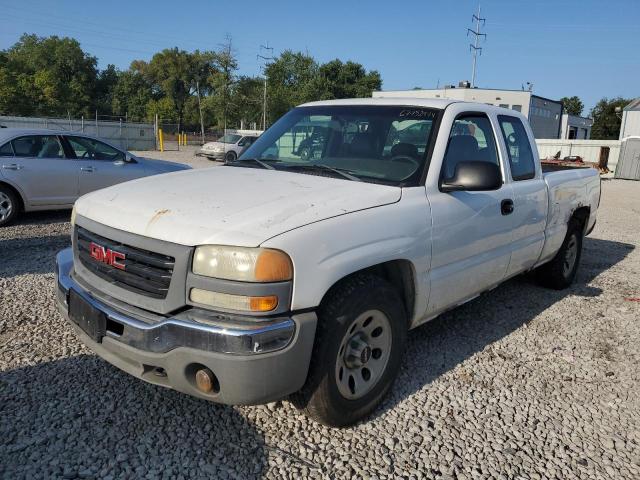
(42, 171)
(530, 195)
(471, 233)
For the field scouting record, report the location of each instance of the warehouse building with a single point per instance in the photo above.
(545, 115)
(575, 127)
(630, 126)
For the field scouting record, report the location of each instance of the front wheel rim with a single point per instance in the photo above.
(6, 207)
(363, 354)
(570, 255)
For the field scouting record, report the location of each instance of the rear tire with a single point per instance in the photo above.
(230, 157)
(362, 327)
(9, 206)
(560, 272)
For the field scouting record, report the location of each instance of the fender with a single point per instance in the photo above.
(349, 243)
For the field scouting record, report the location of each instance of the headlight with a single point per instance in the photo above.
(73, 216)
(242, 264)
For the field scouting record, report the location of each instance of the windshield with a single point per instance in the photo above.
(229, 138)
(379, 144)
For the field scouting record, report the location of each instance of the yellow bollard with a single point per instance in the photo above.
(160, 140)
(184, 138)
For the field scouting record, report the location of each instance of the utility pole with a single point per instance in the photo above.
(200, 109)
(265, 58)
(474, 46)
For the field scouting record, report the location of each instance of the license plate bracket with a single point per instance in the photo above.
(91, 320)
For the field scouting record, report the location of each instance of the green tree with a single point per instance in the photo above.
(293, 78)
(173, 73)
(349, 80)
(221, 83)
(47, 76)
(106, 82)
(131, 96)
(572, 105)
(606, 122)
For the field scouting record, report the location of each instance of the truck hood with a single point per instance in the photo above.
(228, 205)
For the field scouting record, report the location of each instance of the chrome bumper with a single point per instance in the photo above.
(210, 154)
(194, 328)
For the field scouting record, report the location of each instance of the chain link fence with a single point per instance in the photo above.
(122, 133)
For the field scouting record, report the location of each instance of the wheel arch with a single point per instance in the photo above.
(400, 273)
(16, 192)
(581, 215)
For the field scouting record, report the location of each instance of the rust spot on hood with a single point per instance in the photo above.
(157, 215)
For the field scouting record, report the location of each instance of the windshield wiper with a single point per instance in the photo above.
(262, 163)
(321, 166)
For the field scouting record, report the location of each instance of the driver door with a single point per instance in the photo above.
(471, 241)
(101, 165)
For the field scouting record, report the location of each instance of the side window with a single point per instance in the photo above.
(523, 166)
(6, 150)
(91, 149)
(471, 140)
(39, 146)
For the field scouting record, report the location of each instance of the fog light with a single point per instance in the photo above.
(205, 380)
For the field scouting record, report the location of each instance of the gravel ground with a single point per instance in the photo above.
(523, 383)
(186, 154)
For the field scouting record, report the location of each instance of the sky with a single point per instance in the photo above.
(586, 48)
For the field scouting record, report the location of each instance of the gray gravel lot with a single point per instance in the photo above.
(521, 383)
(186, 154)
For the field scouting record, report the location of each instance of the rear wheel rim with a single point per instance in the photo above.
(363, 354)
(6, 206)
(570, 255)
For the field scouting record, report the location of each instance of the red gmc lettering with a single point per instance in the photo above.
(106, 255)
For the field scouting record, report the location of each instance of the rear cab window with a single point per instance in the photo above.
(521, 162)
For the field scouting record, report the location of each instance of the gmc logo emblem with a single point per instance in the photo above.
(106, 255)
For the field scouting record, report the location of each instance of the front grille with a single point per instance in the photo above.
(147, 273)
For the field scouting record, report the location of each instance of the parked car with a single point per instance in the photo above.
(275, 278)
(228, 147)
(49, 170)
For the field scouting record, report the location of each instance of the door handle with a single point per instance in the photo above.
(506, 206)
(12, 166)
(87, 169)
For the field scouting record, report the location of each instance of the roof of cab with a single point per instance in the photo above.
(403, 102)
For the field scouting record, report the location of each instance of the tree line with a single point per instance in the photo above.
(53, 76)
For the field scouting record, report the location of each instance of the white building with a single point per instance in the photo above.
(575, 127)
(630, 120)
(544, 114)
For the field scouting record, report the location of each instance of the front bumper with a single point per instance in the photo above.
(254, 361)
(210, 154)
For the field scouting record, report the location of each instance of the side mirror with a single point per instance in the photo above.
(130, 158)
(473, 177)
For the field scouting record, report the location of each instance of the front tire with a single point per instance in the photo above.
(561, 271)
(230, 157)
(9, 206)
(362, 327)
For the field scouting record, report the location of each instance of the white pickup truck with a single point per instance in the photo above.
(294, 276)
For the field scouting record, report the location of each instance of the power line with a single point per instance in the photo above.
(474, 46)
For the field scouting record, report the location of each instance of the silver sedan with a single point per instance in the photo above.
(49, 170)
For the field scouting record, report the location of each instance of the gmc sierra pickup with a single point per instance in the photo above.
(282, 275)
